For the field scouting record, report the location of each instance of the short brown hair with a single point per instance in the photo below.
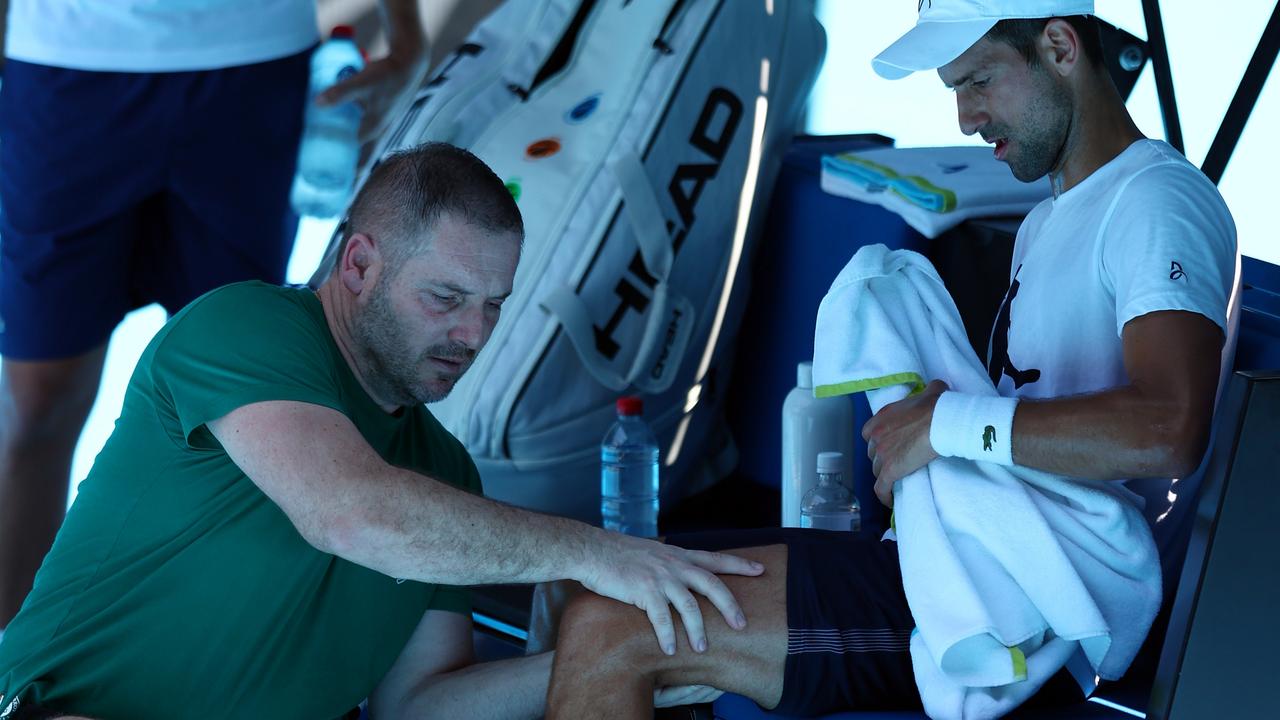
(409, 190)
(1022, 34)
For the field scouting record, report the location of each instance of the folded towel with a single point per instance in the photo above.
(933, 189)
(1010, 573)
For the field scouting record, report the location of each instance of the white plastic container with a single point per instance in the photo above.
(809, 426)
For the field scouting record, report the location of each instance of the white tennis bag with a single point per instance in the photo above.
(640, 139)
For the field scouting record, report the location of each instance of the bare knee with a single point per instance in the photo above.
(47, 401)
(606, 631)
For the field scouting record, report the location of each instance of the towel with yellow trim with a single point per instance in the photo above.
(1010, 573)
(933, 189)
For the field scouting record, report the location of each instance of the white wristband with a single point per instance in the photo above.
(976, 427)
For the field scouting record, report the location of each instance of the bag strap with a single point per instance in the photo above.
(647, 221)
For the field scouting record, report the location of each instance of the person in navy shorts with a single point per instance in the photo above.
(146, 153)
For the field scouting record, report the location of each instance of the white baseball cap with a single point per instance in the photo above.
(947, 28)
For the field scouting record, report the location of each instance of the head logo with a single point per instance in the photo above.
(713, 133)
(583, 110)
(513, 187)
(543, 148)
(1176, 272)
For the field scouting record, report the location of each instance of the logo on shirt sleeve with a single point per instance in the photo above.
(1176, 272)
(988, 437)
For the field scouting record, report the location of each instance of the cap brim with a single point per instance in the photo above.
(928, 46)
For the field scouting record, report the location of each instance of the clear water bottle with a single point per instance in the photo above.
(330, 147)
(629, 473)
(829, 505)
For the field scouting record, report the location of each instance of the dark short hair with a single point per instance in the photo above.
(409, 190)
(1022, 34)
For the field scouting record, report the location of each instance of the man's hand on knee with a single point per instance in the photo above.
(653, 576)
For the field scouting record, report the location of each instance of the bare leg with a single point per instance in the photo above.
(607, 650)
(549, 602)
(43, 406)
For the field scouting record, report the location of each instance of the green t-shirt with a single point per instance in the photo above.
(176, 588)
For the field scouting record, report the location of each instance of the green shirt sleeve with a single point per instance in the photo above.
(238, 345)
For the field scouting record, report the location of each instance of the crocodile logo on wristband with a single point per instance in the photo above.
(988, 437)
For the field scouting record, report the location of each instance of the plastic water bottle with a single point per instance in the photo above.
(629, 473)
(330, 147)
(811, 425)
(829, 505)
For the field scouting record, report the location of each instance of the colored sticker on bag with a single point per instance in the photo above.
(583, 110)
(543, 148)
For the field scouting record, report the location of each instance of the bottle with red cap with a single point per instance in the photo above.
(330, 147)
(629, 473)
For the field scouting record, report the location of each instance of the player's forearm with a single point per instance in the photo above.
(1111, 435)
(514, 689)
(409, 526)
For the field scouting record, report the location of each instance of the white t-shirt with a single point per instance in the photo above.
(1145, 232)
(158, 35)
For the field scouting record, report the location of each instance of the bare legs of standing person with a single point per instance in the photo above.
(43, 407)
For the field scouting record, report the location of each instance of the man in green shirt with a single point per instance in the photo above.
(276, 525)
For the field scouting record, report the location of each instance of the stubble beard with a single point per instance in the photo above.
(395, 370)
(1043, 130)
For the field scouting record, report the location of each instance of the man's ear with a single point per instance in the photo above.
(1059, 46)
(360, 263)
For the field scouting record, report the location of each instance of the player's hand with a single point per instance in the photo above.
(898, 439)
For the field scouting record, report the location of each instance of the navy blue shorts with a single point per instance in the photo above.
(848, 622)
(122, 189)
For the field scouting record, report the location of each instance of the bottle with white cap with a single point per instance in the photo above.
(830, 505)
(811, 425)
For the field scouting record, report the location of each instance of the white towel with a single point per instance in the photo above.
(933, 189)
(1009, 572)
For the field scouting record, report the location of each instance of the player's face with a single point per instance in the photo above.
(1015, 105)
